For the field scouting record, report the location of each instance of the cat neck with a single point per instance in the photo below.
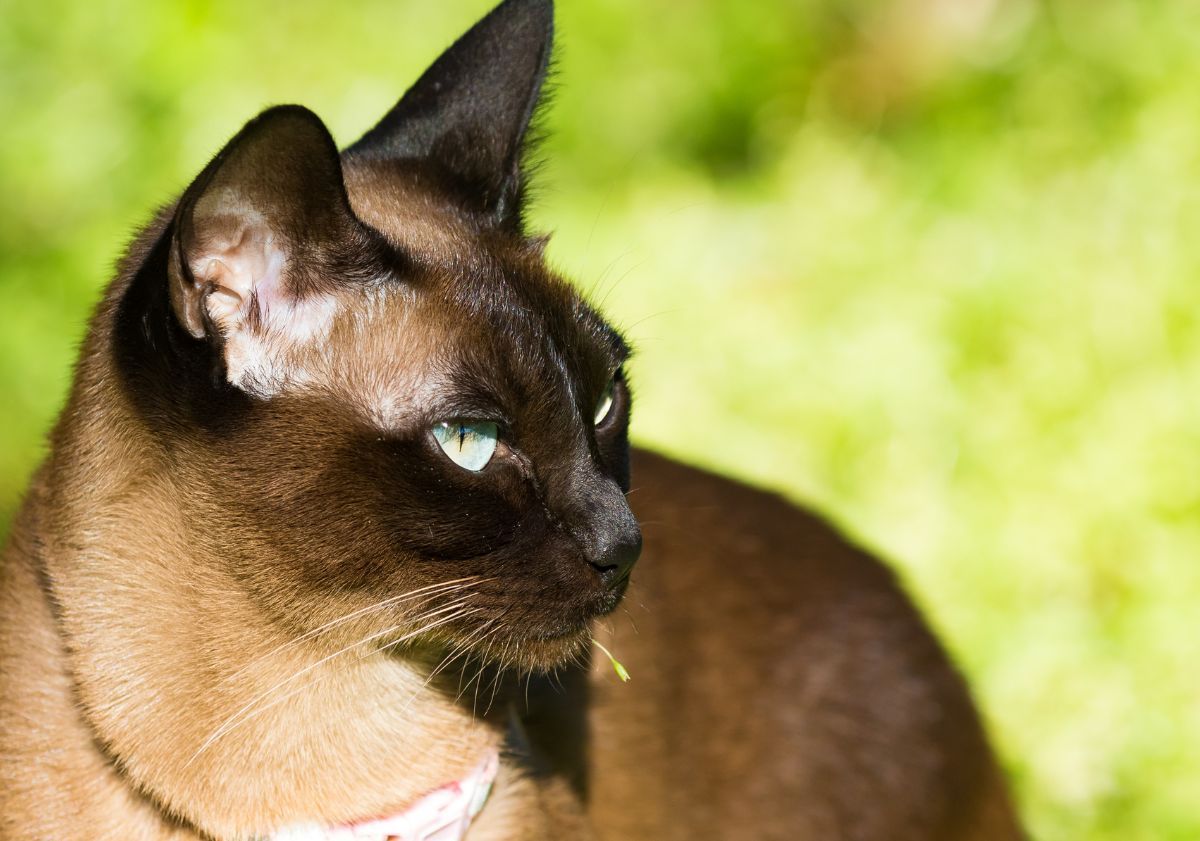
(234, 723)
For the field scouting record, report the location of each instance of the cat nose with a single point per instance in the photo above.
(605, 528)
(614, 555)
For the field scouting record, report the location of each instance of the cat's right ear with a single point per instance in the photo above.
(469, 113)
(257, 238)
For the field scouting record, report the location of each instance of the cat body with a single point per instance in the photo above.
(786, 687)
(342, 476)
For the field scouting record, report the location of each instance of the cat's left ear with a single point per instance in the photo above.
(248, 225)
(469, 114)
(261, 239)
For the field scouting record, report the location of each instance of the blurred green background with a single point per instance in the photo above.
(928, 264)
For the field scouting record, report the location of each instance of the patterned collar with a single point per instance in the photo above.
(442, 815)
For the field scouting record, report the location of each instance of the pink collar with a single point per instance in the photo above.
(442, 815)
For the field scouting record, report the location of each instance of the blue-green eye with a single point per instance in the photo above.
(469, 444)
(604, 406)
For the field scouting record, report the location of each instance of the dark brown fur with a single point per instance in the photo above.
(201, 624)
(786, 687)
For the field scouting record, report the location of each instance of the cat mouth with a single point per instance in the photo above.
(575, 633)
(548, 647)
(547, 650)
(537, 640)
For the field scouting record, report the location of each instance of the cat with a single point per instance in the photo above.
(338, 493)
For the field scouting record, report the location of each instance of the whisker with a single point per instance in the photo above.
(463, 647)
(231, 724)
(245, 714)
(457, 651)
(495, 685)
(430, 627)
(428, 590)
(478, 674)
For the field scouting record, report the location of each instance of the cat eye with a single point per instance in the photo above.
(469, 444)
(604, 407)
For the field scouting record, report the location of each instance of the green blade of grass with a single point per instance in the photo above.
(621, 671)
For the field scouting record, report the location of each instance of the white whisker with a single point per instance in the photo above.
(245, 713)
(426, 591)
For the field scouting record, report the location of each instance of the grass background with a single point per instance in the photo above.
(929, 265)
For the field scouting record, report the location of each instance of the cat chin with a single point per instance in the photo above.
(544, 650)
(545, 653)
(537, 650)
(549, 642)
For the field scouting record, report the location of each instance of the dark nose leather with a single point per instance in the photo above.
(615, 556)
(605, 527)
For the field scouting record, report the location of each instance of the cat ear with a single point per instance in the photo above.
(272, 196)
(469, 113)
(256, 238)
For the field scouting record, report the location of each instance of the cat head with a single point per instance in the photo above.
(377, 399)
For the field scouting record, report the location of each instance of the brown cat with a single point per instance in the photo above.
(342, 478)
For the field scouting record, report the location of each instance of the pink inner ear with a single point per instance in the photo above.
(239, 256)
(240, 263)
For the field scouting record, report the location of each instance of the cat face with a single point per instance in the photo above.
(385, 410)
